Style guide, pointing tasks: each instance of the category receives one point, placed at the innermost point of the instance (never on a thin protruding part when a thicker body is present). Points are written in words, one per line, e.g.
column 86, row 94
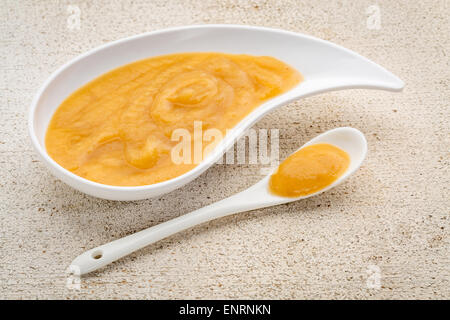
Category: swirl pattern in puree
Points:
column 117, row 129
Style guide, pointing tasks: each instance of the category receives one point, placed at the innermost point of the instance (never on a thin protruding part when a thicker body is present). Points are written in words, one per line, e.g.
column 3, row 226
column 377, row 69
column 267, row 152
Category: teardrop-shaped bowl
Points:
column 324, row 65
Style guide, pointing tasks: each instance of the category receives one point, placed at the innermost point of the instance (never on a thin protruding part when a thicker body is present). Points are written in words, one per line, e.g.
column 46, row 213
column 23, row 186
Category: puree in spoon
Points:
column 117, row 129
column 309, row 170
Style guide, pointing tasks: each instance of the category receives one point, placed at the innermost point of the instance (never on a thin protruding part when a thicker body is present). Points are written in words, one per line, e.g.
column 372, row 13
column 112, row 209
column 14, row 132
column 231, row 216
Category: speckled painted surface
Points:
column 393, row 214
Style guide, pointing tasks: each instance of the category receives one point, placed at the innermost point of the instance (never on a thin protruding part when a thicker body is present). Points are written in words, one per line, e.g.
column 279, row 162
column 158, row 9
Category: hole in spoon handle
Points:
column 97, row 254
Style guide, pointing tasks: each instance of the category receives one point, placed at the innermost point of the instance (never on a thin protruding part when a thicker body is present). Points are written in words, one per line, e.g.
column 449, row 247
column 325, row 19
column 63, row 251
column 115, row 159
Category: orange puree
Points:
column 309, row 170
column 117, row 129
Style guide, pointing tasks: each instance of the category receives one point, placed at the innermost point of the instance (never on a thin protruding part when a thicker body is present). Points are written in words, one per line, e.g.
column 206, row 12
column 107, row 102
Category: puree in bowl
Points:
column 117, row 129
column 309, row 170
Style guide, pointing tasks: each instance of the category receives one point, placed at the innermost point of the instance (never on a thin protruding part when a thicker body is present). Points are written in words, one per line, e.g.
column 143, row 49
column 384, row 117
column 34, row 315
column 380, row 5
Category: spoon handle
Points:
column 253, row 198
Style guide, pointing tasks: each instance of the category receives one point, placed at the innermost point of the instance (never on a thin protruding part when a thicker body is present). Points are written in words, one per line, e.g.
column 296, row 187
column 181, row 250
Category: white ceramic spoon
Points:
column 324, row 65
column 258, row 196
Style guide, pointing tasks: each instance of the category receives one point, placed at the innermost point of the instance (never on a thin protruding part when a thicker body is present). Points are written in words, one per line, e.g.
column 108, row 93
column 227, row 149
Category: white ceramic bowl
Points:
column 324, row 65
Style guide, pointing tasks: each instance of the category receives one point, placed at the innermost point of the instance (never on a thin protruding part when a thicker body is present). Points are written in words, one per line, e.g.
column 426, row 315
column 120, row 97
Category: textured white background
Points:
column 394, row 213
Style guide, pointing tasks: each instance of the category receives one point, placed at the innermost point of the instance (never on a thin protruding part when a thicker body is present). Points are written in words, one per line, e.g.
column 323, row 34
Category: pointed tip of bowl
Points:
column 396, row 84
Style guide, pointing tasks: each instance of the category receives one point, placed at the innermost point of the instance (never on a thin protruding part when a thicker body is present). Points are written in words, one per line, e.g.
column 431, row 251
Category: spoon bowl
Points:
column 348, row 139
column 258, row 196
column 324, row 65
